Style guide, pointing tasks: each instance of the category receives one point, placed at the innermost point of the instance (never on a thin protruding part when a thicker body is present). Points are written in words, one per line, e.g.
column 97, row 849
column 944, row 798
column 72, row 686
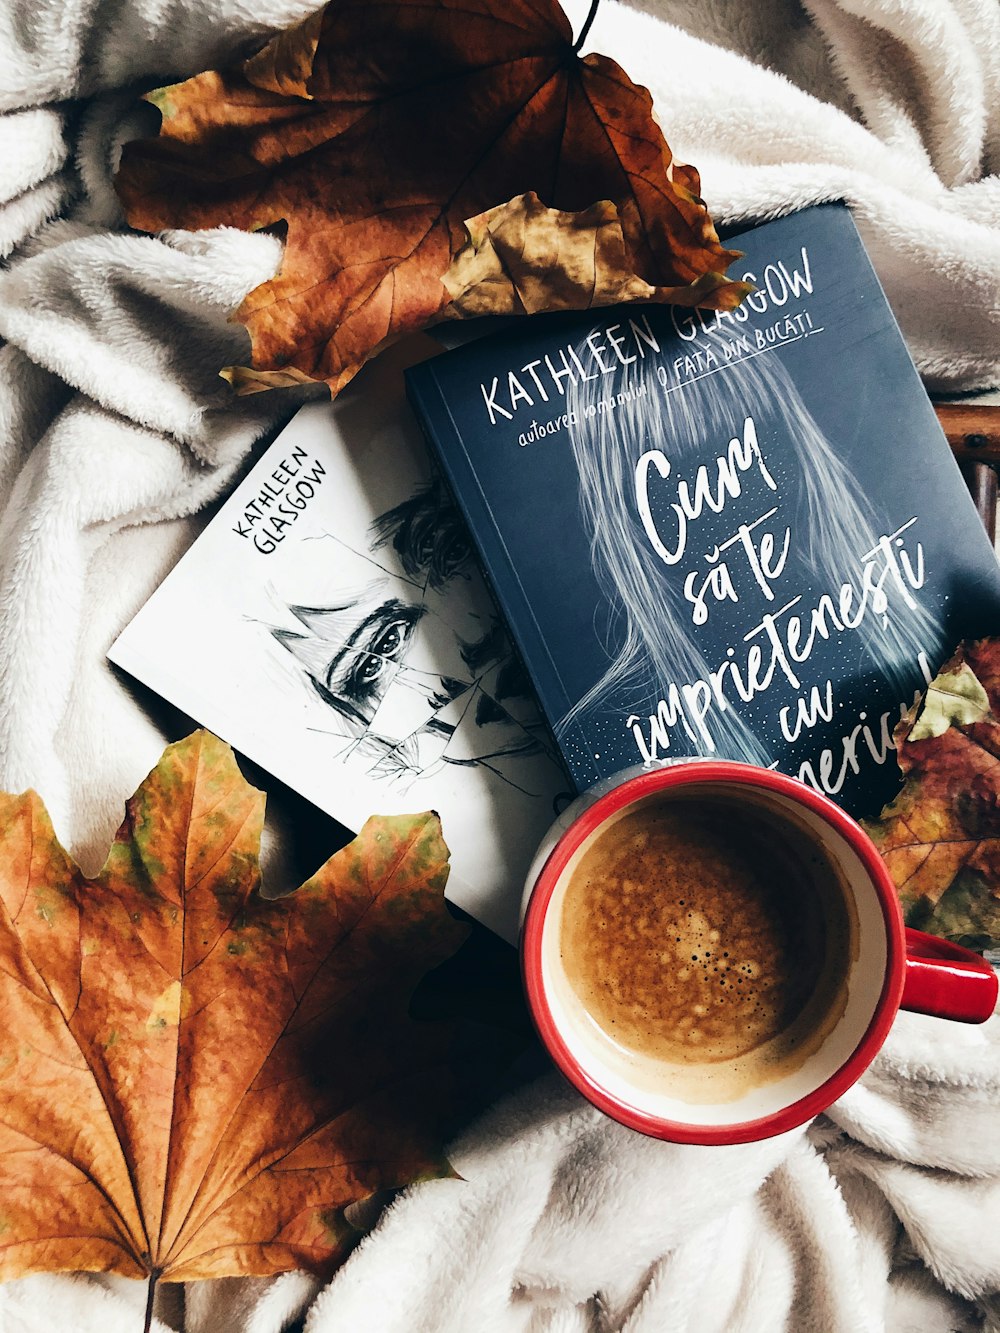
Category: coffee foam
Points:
column 681, row 967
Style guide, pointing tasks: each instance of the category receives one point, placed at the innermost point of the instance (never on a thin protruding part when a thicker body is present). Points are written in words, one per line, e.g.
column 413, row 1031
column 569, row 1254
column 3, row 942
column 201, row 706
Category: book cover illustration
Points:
column 737, row 535
column 331, row 623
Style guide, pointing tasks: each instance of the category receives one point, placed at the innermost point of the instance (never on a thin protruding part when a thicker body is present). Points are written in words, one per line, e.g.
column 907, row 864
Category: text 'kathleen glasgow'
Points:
column 280, row 501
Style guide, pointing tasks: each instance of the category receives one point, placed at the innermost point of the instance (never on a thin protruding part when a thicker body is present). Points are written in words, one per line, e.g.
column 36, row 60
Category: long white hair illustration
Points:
column 835, row 525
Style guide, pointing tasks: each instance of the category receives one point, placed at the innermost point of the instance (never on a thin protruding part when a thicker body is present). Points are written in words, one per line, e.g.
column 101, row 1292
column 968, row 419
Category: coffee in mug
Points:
column 713, row 953
column 707, row 943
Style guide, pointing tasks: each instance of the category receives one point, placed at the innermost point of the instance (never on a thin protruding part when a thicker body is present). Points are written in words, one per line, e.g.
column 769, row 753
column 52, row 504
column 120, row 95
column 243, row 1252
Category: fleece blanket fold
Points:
column 116, row 434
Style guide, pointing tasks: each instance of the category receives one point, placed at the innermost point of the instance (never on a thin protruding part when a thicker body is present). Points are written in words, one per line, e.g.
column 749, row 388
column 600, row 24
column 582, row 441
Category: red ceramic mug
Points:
column 893, row 967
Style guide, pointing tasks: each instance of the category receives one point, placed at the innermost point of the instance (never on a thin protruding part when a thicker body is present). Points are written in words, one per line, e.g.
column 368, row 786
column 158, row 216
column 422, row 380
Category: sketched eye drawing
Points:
column 415, row 675
column 360, row 670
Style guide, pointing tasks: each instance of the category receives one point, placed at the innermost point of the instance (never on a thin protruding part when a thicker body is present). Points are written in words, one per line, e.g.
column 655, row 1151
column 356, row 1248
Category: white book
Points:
column 331, row 623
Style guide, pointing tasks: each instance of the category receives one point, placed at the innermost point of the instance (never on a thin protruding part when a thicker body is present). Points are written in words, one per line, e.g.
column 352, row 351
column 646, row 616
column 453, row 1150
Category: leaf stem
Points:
column 150, row 1297
column 588, row 22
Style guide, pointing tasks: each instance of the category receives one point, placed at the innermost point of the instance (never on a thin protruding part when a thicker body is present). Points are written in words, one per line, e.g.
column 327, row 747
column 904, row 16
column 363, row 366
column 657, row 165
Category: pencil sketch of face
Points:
column 410, row 654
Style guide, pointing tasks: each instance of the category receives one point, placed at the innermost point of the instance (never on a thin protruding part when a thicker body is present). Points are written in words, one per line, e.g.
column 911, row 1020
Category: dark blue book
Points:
column 737, row 535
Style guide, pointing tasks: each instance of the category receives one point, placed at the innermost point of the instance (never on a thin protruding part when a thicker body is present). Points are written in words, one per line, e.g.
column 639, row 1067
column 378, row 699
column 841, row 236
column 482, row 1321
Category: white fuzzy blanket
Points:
column 115, row 433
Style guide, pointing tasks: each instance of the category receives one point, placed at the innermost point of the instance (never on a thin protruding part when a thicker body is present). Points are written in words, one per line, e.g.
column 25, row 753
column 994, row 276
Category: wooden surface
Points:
column 974, row 435
column 972, row 432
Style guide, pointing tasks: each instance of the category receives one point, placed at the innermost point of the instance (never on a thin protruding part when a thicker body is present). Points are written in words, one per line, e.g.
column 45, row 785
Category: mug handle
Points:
column 946, row 980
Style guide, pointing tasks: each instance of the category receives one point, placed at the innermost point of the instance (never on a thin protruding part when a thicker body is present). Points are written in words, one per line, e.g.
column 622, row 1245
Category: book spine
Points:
column 448, row 446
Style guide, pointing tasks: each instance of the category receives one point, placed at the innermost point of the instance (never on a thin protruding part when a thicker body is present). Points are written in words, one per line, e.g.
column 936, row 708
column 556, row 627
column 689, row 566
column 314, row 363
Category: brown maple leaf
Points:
column 940, row 837
column 196, row 1080
column 375, row 132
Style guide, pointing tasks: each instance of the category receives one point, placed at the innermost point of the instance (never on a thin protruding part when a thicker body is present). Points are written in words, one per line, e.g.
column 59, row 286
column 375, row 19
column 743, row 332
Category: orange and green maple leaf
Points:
column 940, row 837
column 196, row 1080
